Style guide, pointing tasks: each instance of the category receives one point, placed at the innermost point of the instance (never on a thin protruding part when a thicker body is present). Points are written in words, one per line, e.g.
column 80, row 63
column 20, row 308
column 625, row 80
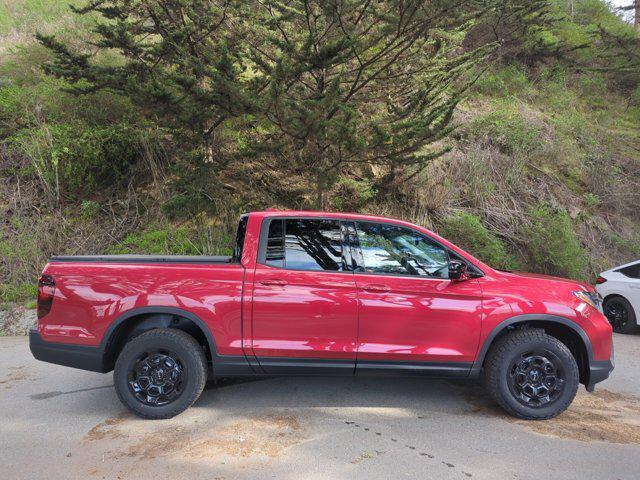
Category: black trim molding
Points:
column 223, row 365
column 413, row 369
column 142, row 259
column 477, row 365
column 69, row 355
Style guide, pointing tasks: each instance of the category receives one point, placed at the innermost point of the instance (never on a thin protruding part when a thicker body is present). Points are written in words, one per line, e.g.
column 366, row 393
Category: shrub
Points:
column 200, row 236
column 22, row 293
column 509, row 80
column 467, row 231
column 352, row 194
column 506, row 127
column 552, row 243
column 79, row 157
column 157, row 241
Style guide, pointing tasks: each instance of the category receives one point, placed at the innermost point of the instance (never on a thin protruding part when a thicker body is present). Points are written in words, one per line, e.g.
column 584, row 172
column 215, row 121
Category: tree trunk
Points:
column 571, row 9
column 637, row 15
column 320, row 190
column 207, row 146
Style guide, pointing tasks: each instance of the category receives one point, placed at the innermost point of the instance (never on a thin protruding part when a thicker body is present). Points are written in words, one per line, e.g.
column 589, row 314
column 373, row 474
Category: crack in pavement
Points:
column 46, row 395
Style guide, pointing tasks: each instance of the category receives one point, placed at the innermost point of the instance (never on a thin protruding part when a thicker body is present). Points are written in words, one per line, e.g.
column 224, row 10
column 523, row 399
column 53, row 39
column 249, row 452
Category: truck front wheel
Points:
column 160, row 373
column 531, row 375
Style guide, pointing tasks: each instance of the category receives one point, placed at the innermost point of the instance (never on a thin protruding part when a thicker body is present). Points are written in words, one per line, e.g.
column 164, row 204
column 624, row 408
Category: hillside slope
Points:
column 543, row 174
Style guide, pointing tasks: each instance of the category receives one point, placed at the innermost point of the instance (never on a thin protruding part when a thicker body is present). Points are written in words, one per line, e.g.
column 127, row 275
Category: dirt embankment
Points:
column 16, row 320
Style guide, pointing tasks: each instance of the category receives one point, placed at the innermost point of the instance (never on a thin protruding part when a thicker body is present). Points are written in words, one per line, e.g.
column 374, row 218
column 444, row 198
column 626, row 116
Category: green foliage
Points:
column 157, row 241
column 511, row 80
column 189, row 76
column 253, row 104
column 353, row 194
column 196, row 237
column 553, row 244
column 324, row 66
column 22, row 293
column 467, row 231
column 312, row 70
column 20, row 261
column 79, row 156
column 506, row 127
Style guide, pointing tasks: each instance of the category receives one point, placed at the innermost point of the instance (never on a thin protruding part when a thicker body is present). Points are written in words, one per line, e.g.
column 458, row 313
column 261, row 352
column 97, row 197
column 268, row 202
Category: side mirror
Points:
column 458, row 270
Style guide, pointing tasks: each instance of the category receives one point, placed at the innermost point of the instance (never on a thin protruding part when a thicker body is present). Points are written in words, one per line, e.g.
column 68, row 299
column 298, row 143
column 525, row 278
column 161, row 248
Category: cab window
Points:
column 305, row 244
column 390, row 249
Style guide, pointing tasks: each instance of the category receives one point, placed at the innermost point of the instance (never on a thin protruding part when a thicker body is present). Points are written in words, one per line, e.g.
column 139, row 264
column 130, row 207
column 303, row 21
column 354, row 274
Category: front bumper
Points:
column 76, row 356
column 600, row 370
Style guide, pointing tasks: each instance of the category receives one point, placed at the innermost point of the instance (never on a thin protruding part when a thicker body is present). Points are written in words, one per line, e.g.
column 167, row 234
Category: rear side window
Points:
column 632, row 271
column 389, row 249
column 240, row 236
column 275, row 244
column 300, row 244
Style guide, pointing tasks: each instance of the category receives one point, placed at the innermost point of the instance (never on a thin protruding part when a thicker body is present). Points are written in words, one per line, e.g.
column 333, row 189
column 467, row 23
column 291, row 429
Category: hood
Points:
column 549, row 278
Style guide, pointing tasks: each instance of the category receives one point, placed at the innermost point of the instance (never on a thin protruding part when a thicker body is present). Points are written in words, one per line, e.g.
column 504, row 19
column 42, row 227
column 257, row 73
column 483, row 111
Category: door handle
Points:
column 273, row 282
column 376, row 288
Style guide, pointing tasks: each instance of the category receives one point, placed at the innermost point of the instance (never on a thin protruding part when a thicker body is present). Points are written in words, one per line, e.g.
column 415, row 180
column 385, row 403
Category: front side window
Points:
column 400, row 251
column 300, row 244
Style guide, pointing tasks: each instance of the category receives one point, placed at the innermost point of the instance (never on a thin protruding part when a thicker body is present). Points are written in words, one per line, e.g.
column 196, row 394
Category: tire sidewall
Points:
column 184, row 353
column 569, row 368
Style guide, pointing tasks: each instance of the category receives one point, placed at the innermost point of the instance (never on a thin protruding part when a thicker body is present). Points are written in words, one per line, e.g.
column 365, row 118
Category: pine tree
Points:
column 177, row 61
column 359, row 81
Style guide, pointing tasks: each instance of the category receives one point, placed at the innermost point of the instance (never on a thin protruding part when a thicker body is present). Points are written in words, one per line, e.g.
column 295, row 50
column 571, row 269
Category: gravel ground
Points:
column 60, row 423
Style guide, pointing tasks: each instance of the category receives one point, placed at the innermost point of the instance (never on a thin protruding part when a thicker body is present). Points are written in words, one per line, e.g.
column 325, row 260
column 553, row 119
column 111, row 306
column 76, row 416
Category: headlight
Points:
column 592, row 299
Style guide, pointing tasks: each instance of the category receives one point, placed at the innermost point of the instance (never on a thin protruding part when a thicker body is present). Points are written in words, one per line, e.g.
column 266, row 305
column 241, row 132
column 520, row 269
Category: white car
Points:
column 620, row 290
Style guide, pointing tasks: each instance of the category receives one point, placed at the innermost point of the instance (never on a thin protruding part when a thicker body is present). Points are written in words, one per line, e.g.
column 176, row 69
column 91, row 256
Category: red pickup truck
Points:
column 316, row 293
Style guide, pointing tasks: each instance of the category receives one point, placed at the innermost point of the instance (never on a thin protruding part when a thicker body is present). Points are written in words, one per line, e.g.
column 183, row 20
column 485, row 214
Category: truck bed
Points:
column 143, row 258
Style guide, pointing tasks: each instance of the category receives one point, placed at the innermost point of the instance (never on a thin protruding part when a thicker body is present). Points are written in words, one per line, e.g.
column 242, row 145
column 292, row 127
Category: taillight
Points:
column 46, row 291
column 600, row 280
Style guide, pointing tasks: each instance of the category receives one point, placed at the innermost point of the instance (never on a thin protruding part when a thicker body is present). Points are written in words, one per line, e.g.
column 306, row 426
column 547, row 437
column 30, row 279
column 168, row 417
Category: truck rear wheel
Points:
column 531, row 375
column 160, row 373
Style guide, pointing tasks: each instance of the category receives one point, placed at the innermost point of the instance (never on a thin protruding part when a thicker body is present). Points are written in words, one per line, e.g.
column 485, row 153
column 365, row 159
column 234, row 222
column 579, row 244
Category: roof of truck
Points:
column 272, row 212
column 358, row 216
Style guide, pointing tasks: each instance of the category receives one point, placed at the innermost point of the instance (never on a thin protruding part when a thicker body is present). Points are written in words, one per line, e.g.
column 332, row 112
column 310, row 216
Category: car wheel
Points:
column 620, row 314
column 531, row 375
column 160, row 373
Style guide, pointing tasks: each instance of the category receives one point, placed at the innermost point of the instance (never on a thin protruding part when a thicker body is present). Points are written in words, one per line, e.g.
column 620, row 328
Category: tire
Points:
column 620, row 314
column 160, row 373
column 515, row 391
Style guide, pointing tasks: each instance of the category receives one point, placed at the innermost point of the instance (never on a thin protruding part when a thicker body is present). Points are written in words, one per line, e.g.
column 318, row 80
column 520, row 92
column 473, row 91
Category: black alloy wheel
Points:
column 536, row 378
column 157, row 378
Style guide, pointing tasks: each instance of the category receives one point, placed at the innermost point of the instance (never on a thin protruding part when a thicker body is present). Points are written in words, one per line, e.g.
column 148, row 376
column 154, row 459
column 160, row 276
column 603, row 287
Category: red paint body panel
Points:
column 422, row 320
column 320, row 315
column 311, row 314
column 509, row 294
column 90, row 296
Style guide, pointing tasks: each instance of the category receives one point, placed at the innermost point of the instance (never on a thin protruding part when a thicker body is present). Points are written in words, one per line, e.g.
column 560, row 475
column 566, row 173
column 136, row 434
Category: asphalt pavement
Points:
column 61, row 423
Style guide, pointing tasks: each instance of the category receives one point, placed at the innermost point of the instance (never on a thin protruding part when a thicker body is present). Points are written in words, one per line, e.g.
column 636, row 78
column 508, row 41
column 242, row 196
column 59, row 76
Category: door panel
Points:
column 418, row 319
column 304, row 314
column 634, row 296
column 305, row 309
column 409, row 310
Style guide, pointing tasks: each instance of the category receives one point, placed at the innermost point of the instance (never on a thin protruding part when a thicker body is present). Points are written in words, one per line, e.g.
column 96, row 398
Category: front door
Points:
column 412, row 318
column 305, row 309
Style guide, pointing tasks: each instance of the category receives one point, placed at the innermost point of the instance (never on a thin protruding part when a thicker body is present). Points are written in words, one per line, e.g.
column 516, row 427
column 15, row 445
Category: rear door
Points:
column 304, row 316
column 412, row 318
column 630, row 277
